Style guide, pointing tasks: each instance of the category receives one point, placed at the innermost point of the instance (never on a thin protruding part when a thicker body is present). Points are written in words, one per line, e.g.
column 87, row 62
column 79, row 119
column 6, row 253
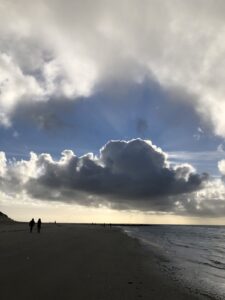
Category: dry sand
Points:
column 79, row 262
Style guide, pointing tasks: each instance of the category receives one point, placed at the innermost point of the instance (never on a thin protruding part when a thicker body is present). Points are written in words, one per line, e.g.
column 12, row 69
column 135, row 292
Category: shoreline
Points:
column 68, row 261
column 167, row 269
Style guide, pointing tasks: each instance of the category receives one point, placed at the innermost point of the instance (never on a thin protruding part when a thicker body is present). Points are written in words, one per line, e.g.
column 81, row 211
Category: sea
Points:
column 193, row 255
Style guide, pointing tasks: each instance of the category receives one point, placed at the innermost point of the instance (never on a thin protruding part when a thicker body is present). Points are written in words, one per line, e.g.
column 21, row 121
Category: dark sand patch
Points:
column 79, row 262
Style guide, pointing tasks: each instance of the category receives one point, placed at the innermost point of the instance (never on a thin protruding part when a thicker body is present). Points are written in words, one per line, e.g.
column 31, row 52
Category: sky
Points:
column 113, row 111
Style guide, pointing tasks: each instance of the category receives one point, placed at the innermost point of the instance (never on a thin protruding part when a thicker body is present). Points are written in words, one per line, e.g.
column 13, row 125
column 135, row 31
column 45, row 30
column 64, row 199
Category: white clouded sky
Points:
column 68, row 48
column 60, row 51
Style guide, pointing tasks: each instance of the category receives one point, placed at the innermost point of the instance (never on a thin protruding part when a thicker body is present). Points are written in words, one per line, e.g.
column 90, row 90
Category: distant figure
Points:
column 31, row 224
column 39, row 225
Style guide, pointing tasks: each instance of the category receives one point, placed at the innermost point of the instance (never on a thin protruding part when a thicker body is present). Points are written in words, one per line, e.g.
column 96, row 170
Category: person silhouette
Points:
column 31, row 224
column 39, row 225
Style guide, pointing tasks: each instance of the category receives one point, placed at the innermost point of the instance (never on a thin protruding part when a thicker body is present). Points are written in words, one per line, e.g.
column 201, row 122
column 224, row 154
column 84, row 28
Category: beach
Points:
column 68, row 261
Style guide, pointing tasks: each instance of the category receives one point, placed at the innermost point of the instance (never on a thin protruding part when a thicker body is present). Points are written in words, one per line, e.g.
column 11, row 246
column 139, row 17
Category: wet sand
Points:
column 80, row 262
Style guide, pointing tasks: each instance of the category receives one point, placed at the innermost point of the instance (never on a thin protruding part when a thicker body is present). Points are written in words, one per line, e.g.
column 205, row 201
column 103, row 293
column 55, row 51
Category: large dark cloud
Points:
column 131, row 175
column 124, row 169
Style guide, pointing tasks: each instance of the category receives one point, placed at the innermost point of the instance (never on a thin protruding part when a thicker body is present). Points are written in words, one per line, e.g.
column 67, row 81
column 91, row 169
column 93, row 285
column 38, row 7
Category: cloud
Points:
column 14, row 87
column 126, row 175
column 208, row 202
column 68, row 50
column 221, row 167
column 142, row 126
column 3, row 164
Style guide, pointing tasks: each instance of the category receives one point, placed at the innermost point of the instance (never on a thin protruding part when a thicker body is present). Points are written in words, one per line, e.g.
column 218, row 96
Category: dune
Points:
column 4, row 219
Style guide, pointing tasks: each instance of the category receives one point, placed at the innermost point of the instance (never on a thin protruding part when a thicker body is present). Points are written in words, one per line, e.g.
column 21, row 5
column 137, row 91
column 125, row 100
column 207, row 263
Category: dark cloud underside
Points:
column 133, row 174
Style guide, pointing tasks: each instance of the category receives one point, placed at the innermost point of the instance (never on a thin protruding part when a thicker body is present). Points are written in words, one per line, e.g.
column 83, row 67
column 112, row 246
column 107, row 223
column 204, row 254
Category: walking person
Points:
column 31, row 225
column 39, row 225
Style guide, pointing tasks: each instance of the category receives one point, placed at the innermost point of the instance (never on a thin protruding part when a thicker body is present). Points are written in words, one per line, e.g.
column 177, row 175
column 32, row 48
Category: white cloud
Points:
column 3, row 164
column 221, row 166
column 14, row 87
column 209, row 201
column 67, row 49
